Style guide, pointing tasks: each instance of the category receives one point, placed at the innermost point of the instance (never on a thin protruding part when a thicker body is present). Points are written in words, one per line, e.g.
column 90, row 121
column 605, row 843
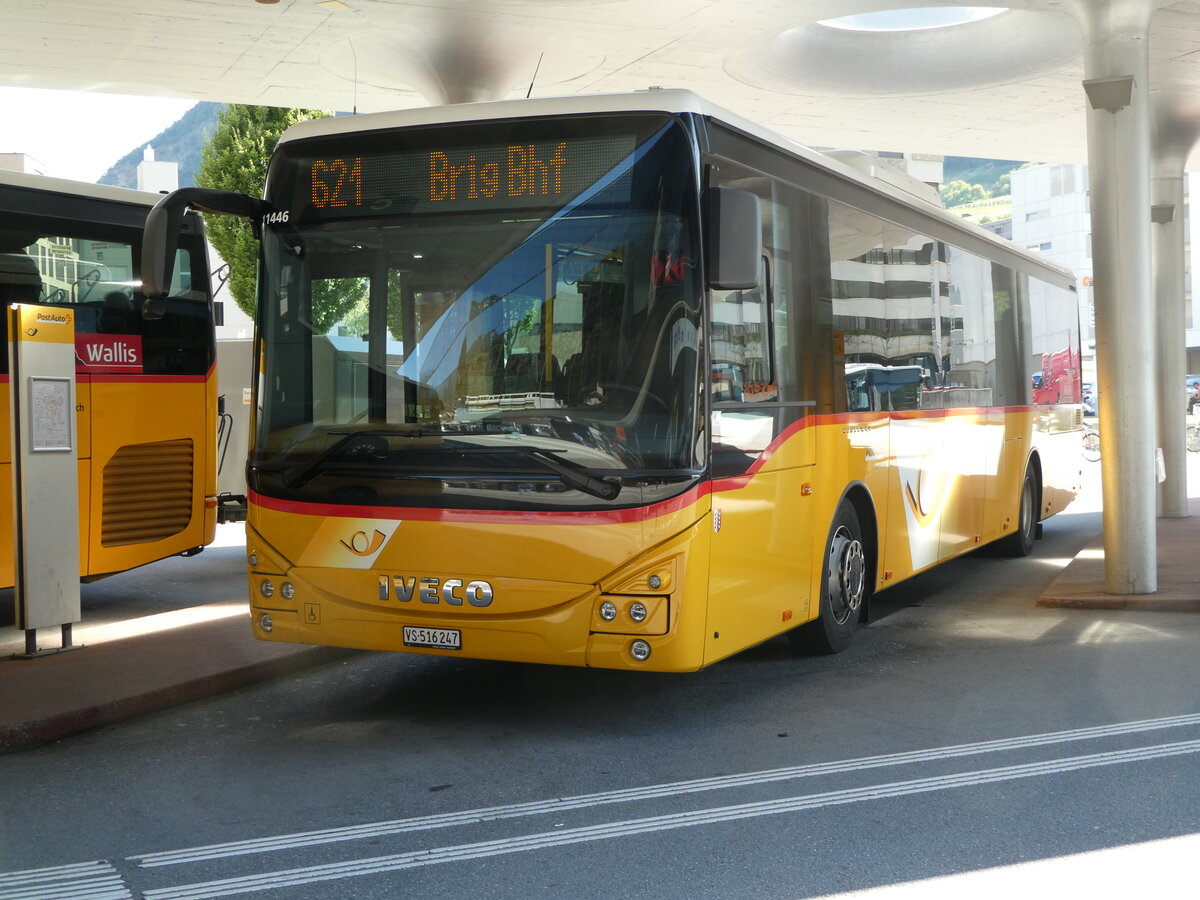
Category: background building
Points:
column 1050, row 215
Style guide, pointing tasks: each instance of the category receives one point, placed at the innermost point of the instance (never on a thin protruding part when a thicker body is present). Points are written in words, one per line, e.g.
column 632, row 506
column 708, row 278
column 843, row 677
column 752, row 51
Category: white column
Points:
column 1176, row 127
column 1167, row 240
column 1117, row 81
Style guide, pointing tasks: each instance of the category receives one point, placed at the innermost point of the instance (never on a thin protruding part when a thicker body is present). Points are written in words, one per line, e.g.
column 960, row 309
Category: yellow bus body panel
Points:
column 730, row 564
column 134, row 415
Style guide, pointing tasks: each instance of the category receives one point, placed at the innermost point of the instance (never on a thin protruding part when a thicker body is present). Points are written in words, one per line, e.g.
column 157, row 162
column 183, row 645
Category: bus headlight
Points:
column 266, row 589
column 637, row 612
column 639, row 650
column 287, row 590
column 608, row 610
column 265, row 623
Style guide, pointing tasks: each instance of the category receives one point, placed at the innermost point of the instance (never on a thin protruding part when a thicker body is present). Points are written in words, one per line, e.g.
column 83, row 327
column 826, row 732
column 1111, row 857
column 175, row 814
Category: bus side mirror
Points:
column 733, row 245
column 160, row 236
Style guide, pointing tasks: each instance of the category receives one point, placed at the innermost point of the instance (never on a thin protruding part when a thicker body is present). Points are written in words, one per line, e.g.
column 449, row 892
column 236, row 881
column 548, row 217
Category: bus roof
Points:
column 846, row 164
column 77, row 188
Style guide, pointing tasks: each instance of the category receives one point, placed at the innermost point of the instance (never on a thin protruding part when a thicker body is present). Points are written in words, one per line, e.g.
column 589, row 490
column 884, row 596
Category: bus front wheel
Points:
column 1020, row 542
column 845, row 588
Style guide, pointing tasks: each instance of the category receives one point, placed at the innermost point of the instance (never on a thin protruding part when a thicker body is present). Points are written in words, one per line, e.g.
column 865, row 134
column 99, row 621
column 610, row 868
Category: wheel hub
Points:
column 847, row 575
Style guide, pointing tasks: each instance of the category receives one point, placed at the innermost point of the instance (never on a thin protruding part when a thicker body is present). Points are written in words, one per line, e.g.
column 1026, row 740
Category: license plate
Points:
column 441, row 638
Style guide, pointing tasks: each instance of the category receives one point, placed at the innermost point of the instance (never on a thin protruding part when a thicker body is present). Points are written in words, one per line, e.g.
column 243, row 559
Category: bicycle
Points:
column 1091, row 443
column 1192, row 438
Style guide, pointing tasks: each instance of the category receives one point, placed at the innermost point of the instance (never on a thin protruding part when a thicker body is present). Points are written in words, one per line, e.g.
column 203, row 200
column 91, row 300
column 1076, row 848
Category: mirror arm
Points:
column 160, row 238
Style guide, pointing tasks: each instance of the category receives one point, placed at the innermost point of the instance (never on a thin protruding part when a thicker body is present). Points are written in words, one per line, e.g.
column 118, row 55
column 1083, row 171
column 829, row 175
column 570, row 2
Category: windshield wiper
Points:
column 369, row 449
column 573, row 474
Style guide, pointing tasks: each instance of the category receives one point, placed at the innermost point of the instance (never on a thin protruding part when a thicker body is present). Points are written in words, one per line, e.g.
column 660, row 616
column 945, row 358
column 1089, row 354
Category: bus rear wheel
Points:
column 845, row 588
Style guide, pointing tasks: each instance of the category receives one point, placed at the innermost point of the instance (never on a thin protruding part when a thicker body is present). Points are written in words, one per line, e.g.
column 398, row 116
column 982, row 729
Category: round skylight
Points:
column 915, row 19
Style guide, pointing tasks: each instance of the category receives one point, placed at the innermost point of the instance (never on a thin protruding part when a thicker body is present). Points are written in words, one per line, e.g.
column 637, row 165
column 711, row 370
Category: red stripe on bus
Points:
column 487, row 516
column 126, row 378
column 143, row 379
column 720, row 485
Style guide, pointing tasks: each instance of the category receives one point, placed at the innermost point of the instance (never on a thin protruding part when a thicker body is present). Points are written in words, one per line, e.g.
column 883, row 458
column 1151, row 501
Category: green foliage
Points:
column 970, row 180
column 977, row 170
column 342, row 302
column 959, row 193
column 234, row 158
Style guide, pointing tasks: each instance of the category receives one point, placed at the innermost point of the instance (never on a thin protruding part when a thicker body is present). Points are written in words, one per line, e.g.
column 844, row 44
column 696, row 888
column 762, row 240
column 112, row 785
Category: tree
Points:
column 958, row 193
column 234, row 158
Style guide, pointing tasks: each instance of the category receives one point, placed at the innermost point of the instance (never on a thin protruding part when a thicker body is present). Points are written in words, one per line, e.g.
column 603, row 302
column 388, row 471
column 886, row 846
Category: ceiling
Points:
column 1008, row 86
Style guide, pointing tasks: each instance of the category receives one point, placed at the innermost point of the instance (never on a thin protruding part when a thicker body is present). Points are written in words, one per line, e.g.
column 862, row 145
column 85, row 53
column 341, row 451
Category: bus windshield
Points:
column 489, row 315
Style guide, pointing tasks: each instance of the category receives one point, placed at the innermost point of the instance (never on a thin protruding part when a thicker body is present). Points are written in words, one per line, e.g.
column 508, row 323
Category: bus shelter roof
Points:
column 999, row 82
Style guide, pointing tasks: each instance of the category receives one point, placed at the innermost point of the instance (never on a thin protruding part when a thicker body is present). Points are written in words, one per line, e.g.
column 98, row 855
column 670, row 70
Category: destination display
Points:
column 463, row 178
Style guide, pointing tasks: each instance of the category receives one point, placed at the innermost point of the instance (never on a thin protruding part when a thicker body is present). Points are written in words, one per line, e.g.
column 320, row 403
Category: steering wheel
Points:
column 600, row 394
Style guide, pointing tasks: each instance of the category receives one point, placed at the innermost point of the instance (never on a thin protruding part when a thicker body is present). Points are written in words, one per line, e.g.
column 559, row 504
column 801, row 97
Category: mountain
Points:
column 179, row 143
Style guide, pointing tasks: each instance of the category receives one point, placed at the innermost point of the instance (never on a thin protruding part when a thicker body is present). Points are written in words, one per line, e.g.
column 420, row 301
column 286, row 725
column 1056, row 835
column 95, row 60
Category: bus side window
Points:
column 858, row 393
column 742, row 369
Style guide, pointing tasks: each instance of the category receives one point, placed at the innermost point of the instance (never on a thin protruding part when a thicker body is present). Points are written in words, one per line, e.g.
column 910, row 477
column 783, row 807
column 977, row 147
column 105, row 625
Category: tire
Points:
column 1091, row 446
column 1020, row 542
column 1192, row 440
column 845, row 588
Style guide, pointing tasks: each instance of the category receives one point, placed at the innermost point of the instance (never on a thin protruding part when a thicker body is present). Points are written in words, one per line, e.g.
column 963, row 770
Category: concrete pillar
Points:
column 1167, row 233
column 1176, row 128
column 1117, row 83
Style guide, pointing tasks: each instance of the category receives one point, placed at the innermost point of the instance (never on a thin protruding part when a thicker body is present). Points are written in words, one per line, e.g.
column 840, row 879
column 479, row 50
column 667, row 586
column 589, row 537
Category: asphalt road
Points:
column 966, row 732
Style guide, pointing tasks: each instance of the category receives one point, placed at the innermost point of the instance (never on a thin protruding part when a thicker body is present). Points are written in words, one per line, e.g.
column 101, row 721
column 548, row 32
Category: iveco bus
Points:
column 624, row 381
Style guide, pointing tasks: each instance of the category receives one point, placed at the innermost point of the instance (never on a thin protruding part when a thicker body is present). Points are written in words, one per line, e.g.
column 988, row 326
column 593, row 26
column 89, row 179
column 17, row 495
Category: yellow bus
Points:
column 626, row 381
column 146, row 385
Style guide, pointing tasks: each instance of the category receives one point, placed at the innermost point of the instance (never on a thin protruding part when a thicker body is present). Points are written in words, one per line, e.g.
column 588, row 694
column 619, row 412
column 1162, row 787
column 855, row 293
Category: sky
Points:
column 76, row 134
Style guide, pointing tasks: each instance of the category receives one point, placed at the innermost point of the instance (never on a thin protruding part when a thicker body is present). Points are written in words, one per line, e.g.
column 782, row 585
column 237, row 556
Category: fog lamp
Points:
column 639, row 650
column 265, row 623
column 608, row 610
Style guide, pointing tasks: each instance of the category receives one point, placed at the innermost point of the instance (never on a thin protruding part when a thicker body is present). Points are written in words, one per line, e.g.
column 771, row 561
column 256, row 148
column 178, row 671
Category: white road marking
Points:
column 462, row 852
column 627, row 795
column 96, row 880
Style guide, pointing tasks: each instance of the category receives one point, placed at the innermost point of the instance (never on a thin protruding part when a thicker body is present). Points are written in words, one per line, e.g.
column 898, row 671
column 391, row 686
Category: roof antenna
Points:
column 354, row 55
column 535, row 71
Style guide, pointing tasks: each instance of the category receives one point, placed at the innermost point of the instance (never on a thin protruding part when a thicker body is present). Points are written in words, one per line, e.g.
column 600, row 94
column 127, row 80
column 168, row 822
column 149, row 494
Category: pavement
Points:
column 1081, row 583
column 169, row 633
column 156, row 637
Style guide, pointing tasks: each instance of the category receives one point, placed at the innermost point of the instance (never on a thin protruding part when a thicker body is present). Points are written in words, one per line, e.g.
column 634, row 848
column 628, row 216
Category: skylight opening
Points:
column 923, row 18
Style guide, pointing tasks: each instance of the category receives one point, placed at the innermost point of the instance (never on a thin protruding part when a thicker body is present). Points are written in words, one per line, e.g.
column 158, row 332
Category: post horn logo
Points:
column 362, row 545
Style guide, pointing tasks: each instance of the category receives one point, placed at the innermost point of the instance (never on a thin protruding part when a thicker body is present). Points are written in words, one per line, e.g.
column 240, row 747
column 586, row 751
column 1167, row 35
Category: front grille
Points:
column 147, row 493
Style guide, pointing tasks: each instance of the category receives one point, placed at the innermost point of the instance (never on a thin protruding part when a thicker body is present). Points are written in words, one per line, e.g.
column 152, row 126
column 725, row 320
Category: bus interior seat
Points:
column 116, row 312
column 524, row 373
column 20, row 281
